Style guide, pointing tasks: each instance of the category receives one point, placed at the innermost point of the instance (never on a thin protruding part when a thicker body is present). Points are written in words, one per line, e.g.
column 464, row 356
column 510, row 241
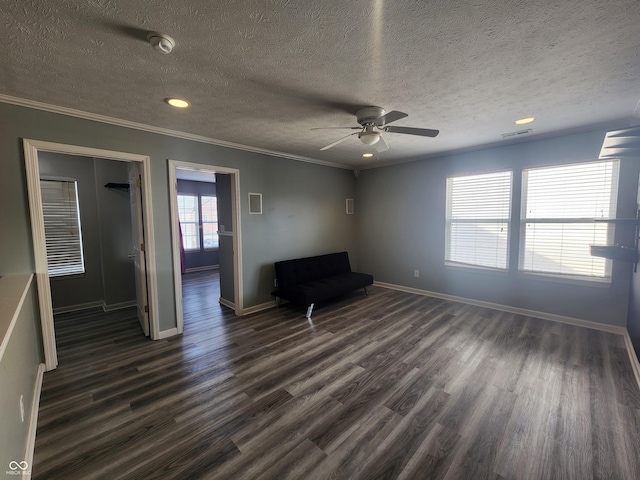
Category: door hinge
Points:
column 146, row 309
column 142, row 247
column 139, row 181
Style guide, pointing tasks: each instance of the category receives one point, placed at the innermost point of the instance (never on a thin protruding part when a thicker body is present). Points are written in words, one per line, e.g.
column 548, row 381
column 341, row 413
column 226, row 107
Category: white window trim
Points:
column 196, row 222
column 584, row 280
column 506, row 220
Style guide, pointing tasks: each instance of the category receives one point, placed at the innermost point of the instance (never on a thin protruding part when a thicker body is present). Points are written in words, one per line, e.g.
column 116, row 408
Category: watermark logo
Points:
column 18, row 468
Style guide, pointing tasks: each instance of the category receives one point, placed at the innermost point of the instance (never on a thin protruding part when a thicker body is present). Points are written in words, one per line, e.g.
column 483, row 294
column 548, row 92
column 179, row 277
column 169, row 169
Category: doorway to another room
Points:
column 100, row 284
column 205, row 237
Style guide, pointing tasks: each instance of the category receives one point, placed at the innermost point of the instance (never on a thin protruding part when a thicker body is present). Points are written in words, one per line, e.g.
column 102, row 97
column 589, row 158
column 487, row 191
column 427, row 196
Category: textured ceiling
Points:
column 264, row 73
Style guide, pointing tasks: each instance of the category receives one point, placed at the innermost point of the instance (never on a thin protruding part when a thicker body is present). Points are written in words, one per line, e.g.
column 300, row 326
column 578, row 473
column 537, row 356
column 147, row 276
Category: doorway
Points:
column 31, row 151
column 229, row 236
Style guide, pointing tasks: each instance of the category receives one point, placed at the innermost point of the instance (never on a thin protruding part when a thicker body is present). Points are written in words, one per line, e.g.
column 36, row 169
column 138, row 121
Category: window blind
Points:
column 63, row 235
column 478, row 217
column 559, row 206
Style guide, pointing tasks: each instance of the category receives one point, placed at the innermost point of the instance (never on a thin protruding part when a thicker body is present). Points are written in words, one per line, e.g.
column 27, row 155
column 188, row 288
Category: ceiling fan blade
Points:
column 338, row 141
column 336, row 128
column 423, row 132
column 382, row 145
column 390, row 117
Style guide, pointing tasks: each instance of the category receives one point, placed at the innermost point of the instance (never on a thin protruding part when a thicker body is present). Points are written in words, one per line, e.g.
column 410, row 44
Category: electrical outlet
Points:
column 22, row 408
column 416, row 273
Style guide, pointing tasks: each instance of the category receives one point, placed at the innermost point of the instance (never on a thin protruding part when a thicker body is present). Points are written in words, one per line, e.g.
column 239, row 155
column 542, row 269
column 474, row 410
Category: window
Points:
column 209, row 221
column 478, row 216
column 189, row 221
column 198, row 216
column 63, row 235
column 559, row 206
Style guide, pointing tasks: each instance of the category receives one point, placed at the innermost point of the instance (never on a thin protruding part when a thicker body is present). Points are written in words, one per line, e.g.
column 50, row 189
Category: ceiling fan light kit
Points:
column 373, row 121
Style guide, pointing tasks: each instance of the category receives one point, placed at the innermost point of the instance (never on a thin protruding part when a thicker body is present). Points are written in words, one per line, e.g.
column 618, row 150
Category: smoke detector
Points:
column 161, row 42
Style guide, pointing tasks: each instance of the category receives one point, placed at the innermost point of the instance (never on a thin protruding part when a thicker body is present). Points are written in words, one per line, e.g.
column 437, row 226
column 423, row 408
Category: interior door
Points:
column 137, row 249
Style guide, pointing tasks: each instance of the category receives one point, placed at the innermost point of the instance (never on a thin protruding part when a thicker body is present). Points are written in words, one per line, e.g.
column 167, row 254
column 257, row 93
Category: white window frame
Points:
column 600, row 232
column 215, row 224
column 465, row 210
column 62, row 226
column 195, row 222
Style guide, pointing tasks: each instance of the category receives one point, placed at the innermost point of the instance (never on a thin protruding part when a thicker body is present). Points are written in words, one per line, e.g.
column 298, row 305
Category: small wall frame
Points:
column 349, row 206
column 255, row 203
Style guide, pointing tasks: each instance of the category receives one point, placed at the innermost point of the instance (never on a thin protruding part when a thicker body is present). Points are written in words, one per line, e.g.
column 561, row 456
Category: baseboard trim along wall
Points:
column 76, row 308
column 635, row 365
column 33, row 420
column 259, row 308
column 118, row 306
column 167, row 333
column 201, row 269
column 227, row 303
column 89, row 305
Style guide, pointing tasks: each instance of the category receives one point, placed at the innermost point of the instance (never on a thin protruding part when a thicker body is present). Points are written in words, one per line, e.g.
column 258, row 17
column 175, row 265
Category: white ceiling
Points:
column 264, row 73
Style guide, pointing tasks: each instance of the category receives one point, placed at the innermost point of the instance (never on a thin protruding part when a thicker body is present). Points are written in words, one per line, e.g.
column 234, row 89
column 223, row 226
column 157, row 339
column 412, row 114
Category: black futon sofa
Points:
column 314, row 279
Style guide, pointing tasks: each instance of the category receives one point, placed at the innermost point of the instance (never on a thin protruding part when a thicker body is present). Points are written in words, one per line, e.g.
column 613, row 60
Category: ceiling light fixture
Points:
column 369, row 136
column 367, row 155
column 161, row 42
column 524, row 121
column 177, row 102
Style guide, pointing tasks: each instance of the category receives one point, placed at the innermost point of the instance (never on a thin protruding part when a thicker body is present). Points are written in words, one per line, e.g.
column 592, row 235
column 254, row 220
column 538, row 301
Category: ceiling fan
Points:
column 373, row 121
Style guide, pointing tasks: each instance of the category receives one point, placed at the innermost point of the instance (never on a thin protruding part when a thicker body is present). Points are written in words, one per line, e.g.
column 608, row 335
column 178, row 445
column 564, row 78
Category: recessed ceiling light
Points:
column 367, row 155
column 177, row 102
column 523, row 121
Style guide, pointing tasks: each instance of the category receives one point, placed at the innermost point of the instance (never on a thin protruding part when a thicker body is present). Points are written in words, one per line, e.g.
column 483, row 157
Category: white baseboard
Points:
column 635, row 364
column 33, row 420
column 227, row 303
column 76, row 308
column 201, row 269
column 172, row 332
column 506, row 308
column 259, row 308
column 118, row 306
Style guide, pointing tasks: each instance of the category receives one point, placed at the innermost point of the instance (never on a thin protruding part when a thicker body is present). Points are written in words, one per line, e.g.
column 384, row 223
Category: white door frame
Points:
column 175, row 235
column 31, row 150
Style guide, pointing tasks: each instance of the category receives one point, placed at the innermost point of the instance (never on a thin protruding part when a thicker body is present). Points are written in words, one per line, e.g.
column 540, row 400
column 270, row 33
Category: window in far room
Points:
column 478, row 219
column 209, row 221
column 189, row 216
column 560, row 206
column 198, row 216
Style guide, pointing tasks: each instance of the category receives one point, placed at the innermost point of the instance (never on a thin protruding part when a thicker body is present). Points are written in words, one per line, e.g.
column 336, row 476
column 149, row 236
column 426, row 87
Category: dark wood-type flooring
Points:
column 390, row 385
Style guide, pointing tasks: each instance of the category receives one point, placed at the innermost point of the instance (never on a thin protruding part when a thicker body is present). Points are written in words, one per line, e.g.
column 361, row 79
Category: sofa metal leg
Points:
column 278, row 302
column 309, row 310
column 365, row 291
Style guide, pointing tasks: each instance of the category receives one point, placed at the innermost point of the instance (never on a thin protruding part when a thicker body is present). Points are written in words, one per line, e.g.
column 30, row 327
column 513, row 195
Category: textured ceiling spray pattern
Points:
column 264, row 73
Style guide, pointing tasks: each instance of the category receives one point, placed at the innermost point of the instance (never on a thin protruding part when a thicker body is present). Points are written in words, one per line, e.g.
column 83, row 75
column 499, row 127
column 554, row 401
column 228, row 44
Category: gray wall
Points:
column 304, row 202
column 401, row 226
column 225, row 221
column 116, row 237
column 633, row 317
column 88, row 288
column 18, row 372
column 105, row 219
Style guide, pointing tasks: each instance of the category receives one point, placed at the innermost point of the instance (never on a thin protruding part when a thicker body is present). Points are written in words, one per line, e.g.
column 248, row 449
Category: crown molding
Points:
column 23, row 102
